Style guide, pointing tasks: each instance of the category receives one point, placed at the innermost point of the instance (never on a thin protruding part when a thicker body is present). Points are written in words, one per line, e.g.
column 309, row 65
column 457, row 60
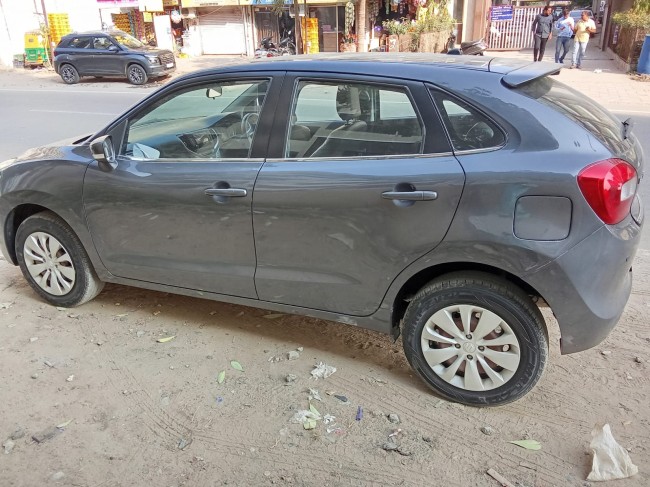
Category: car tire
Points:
column 136, row 74
column 459, row 364
column 54, row 262
column 69, row 74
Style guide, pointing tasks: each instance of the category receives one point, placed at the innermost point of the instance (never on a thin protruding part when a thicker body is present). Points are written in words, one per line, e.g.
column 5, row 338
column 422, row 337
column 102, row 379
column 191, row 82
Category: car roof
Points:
column 95, row 33
column 415, row 66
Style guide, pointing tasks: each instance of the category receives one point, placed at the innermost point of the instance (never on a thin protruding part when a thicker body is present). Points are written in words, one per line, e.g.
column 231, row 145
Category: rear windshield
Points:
column 579, row 108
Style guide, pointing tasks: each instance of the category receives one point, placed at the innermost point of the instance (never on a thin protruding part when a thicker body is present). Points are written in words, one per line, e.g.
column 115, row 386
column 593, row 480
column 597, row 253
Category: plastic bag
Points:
column 611, row 460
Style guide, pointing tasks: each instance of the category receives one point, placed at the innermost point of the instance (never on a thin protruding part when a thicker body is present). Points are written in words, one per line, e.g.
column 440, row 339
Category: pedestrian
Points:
column 542, row 32
column 583, row 29
column 564, row 28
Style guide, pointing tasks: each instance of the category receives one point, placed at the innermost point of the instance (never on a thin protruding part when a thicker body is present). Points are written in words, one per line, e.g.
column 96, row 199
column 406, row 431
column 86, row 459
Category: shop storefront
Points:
column 221, row 26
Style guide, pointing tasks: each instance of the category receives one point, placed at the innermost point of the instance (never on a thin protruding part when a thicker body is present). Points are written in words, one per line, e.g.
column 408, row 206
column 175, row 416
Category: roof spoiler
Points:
column 527, row 73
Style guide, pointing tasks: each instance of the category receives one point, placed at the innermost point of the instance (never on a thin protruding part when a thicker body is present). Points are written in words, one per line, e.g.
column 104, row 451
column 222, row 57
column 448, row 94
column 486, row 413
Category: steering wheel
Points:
column 477, row 133
column 249, row 124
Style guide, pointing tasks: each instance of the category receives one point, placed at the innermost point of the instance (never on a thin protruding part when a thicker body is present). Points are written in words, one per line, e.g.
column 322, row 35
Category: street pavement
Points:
column 599, row 78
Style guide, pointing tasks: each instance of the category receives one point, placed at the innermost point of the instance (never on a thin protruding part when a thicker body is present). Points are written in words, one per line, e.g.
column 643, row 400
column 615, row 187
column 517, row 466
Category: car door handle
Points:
column 230, row 192
column 410, row 195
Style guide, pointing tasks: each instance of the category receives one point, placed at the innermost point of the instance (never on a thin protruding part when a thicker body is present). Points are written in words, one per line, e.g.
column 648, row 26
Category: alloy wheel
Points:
column 136, row 76
column 68, row 74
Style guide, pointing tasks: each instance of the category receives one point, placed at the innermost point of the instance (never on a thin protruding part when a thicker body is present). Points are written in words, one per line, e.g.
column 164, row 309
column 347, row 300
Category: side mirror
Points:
column 213, row 93
column 103, row 150
column 113, row 48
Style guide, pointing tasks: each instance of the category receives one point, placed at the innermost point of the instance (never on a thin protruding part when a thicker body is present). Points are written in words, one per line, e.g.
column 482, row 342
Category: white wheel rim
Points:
column 470, row 347
column 49, row 263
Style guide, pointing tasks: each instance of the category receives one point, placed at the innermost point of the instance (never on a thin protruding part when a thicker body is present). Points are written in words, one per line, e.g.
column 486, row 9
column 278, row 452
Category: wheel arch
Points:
column 14, row 219
column 424, row 276
column 22, row 211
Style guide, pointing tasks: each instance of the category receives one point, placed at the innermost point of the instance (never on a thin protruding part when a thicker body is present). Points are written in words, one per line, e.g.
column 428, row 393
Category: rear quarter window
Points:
column 468, row 128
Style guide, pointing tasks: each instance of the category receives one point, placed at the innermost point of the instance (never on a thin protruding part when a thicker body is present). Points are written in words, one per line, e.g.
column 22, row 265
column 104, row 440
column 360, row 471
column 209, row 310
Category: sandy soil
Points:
column 142, row 412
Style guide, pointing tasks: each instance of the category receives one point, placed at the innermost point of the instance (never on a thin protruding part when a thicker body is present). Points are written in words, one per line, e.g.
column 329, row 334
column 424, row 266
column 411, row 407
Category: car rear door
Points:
column 80, row 53
column 175, row 208
column 360, row 183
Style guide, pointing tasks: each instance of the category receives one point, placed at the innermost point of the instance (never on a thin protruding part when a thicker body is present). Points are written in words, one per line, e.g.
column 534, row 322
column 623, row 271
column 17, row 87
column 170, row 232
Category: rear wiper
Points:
column 627, row 127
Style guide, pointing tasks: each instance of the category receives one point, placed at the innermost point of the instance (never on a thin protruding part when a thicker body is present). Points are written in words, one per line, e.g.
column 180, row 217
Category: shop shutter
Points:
column 222, row 31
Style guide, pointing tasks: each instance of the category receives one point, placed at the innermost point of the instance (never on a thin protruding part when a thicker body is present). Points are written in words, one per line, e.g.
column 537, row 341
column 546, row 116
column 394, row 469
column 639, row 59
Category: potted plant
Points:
column 349, row 43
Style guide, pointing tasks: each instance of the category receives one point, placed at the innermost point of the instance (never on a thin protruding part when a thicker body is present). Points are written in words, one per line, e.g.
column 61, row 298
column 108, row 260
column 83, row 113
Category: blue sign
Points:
column 501, row 12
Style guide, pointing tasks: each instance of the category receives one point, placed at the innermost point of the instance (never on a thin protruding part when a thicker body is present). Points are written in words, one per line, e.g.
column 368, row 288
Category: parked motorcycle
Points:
column 287, row 46
column 267, row 48
column 471, row 48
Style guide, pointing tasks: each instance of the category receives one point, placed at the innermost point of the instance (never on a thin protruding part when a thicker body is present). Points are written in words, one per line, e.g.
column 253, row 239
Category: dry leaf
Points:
column 221, row 377
column 528, row 444
column 236, row 365
column 63, row 425
column 166, row 339
column 274, row 316
column 313, row 409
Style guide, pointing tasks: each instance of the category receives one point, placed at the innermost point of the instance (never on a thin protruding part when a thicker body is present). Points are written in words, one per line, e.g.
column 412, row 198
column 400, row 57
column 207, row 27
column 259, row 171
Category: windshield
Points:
column 128, row 41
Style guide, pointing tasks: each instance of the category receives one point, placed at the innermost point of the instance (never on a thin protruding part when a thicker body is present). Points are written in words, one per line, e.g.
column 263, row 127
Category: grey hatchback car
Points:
column 443, row 198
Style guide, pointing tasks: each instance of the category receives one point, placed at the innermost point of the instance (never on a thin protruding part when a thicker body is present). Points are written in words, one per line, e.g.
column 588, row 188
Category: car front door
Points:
column 107, row 57
column 360, row 182
column 175, row 208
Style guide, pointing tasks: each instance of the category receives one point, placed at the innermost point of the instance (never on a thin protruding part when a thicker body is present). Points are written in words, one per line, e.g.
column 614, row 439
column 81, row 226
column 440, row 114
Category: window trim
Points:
column 188, row 87
column 432, row 89
column 336, row 81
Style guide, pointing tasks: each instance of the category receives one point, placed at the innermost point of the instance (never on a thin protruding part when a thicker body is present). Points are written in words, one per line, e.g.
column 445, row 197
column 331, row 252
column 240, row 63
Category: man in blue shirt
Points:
column 564, row 28
column 542, row 32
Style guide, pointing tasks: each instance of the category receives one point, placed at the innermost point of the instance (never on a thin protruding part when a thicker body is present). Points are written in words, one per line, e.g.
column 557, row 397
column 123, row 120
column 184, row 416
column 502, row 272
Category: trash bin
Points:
column 644, row 59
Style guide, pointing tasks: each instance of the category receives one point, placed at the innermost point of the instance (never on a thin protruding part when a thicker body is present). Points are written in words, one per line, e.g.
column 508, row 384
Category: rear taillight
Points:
column 609, row 187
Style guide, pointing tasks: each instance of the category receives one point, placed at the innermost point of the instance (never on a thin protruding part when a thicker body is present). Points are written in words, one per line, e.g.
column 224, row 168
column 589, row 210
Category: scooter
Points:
column 267, row 49
column 471, row 48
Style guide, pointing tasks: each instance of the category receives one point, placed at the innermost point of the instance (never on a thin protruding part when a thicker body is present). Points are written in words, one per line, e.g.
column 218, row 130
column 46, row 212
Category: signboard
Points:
column 209, row 3
column 151, row 6
column 501, row 12
column 118, row 3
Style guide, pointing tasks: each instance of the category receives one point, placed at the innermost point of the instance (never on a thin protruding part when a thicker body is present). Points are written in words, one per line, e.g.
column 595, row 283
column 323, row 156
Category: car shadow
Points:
column 373, row 349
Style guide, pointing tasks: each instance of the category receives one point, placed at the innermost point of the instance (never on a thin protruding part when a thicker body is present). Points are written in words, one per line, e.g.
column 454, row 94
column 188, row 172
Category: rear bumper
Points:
column 588, row 287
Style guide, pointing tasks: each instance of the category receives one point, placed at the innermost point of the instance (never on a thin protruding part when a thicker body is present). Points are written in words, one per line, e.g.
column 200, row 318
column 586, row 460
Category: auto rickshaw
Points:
column 35, row 50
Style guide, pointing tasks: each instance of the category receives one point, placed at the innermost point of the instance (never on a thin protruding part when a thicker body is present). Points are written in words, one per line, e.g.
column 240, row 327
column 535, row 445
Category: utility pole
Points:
column 2, row 10
column 47, row 24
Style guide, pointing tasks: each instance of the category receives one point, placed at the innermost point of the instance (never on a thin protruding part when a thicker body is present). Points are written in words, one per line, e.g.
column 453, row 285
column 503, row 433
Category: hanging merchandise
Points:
column 374, row 10
column 349, row 17
column 387, row 7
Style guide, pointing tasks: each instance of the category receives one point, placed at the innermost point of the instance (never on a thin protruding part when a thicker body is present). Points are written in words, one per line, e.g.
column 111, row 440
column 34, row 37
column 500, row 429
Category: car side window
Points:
column 207, row 121
column 80, row 43
column 102, row 43
column 343, row 119
column 468, row 128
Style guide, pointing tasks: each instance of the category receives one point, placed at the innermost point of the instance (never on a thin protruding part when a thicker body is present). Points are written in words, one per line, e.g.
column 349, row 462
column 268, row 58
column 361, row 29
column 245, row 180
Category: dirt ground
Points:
column 132, row 411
